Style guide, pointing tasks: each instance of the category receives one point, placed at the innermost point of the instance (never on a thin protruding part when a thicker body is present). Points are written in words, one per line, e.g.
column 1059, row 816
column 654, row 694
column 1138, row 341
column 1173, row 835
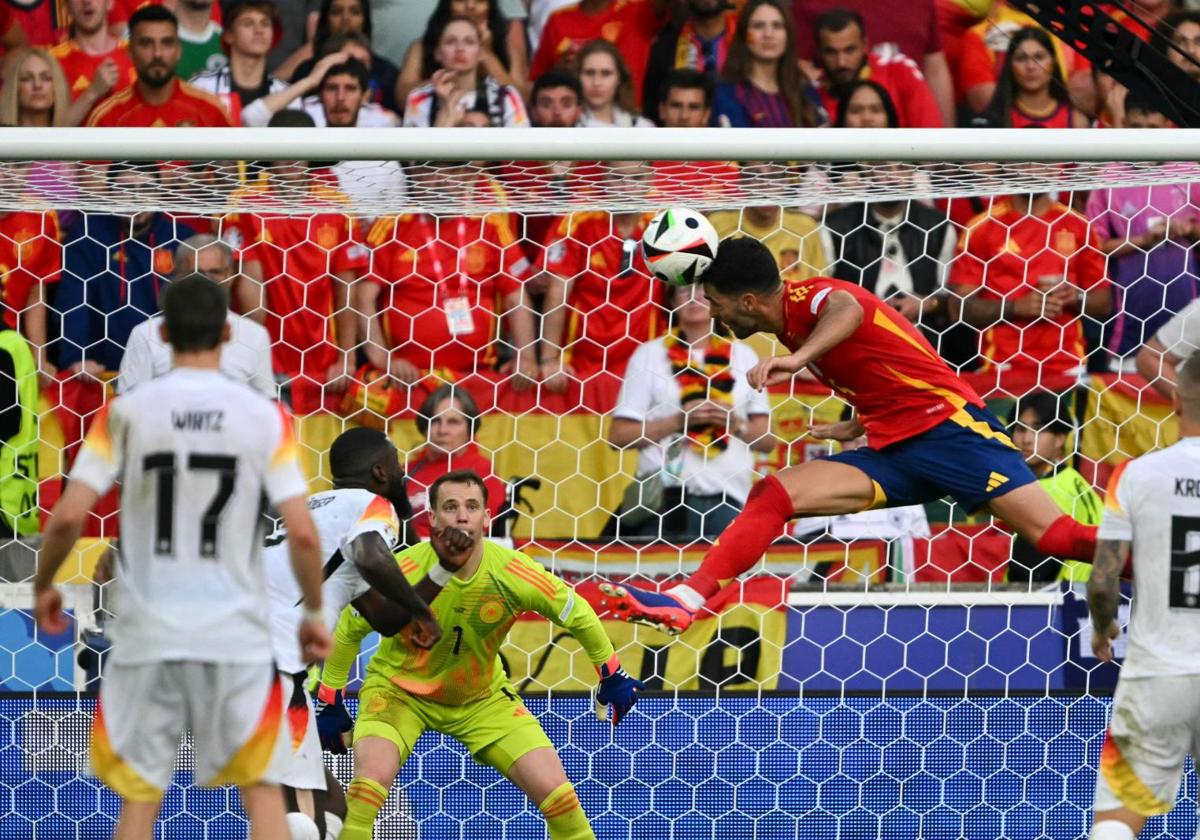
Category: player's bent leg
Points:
column 376, row 763
column 814, row 488
column 137, row 820
column 1036, row 517
column 264, row 808
column 540, row 774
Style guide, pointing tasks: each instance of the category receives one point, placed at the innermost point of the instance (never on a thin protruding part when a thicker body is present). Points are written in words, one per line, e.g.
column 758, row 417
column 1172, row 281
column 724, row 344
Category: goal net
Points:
column 481, row 296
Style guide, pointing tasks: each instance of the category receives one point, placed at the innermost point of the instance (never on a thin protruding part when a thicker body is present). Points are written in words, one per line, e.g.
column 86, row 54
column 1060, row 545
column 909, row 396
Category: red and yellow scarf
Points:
column 711, row 380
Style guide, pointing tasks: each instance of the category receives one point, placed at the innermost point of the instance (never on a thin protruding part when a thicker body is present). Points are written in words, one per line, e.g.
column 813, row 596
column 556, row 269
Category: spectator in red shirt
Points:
column 1030, row 91
column 630, row 24
column 158, row 98
column 698, row 41
column 94, row 62
column 1025, row 272
column 687, row 99
column 31, row 258
column 844, row 57
column 909, row 28
column 439, row 286
column 449, row 419
column 764, row 86
column 602, row 301
column 298, row 276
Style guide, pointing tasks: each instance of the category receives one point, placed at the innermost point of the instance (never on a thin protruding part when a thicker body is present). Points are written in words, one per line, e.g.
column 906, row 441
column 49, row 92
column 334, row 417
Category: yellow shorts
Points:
column 497, row 729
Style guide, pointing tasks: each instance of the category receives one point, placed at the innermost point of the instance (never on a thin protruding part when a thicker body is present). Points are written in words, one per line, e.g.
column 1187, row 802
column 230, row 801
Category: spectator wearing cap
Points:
column 699, row 39
column 1149, row 234
column 338, row 17
column 243, row 83
column 1041, row 428
column 200, row 36
column 158, row 97
column 461, row 84
column 94, row 62
column 449, row 420
column 844, row 56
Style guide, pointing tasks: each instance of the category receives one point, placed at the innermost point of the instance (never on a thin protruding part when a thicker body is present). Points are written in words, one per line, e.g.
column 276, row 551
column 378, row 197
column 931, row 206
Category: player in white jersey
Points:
column 195, row 453
column 1153, row 508
column 359, row 529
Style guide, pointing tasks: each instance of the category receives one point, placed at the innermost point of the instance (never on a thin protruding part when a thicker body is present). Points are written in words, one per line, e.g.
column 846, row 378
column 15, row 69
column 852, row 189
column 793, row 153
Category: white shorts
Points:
column 235, row 713
column 305, row 767
column 1155, row 724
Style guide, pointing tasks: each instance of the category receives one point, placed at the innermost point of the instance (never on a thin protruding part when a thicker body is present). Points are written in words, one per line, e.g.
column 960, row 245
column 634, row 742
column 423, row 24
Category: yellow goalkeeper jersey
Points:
column 475, row 615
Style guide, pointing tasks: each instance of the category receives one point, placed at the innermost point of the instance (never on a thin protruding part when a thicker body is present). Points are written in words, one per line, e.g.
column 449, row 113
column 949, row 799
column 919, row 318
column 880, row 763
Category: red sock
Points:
column 1069, row 539
column 744, row 542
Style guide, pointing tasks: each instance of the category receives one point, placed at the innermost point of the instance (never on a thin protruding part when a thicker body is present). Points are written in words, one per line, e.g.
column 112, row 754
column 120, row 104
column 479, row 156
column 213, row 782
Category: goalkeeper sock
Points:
column 1069, row 539
column 564, row 815
column 744, row 542
column 364, row 798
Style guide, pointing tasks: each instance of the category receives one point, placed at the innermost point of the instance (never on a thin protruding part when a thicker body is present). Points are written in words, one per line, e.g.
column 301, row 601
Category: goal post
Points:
column 900, row 674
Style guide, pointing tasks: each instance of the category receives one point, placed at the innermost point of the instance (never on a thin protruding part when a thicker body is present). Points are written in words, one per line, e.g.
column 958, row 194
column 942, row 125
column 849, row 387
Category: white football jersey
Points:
column 341, row 516
column 196, row 453
column 1154, row 503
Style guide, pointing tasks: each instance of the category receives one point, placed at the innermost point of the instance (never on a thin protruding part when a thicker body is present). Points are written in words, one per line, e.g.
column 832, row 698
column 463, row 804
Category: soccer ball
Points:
column 679, row 244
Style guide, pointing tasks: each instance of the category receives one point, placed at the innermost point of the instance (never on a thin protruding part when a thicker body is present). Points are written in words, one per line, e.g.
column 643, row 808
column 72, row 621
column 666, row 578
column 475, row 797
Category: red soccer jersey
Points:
column 444, row 282
column 186, row 107
column 886, row 369
column 30, row 256
column 300, row 257
column 900, row 76
column 80, row 67
column 1010, row 254
column 676, row 180
column 433, row 465
column 122, row 10
column 44, row 21
column 615, row 303
column 630, row 24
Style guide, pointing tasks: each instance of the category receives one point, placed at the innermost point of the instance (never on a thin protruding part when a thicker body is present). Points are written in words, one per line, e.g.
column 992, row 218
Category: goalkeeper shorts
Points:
column 497, row 730
column 967, row 456
column 1155, row 724
column 236, row 713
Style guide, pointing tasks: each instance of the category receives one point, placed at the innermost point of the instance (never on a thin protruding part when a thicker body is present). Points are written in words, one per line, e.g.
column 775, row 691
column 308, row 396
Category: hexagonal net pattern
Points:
column 906, row 671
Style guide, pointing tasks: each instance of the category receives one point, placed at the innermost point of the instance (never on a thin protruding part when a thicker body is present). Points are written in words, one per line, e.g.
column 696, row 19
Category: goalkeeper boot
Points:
column 642, row 606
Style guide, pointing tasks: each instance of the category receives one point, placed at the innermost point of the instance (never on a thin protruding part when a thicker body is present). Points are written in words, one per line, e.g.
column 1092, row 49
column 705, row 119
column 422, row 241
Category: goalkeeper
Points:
column 458, row 687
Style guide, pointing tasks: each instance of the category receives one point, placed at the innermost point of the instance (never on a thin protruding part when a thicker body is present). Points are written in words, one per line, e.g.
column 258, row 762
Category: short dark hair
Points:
column 687, row 79
column 556, row 79
column 836, row 20
column 466, row 406
column 1140, row 104
column 1051, row 410
column 742, row 264
column 291, row 118
column 152, row 13
column 356, row 451
column 349, row 67
column 457, row 477
column 1174, row 20
column 194, row 310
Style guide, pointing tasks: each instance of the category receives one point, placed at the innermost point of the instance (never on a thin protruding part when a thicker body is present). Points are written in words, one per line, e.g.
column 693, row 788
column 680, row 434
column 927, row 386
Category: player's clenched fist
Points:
column 453, row 546
column 315, row 641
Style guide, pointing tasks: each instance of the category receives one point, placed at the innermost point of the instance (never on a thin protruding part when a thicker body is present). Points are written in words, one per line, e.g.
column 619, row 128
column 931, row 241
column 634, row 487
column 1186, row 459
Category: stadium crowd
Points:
column 369, row 317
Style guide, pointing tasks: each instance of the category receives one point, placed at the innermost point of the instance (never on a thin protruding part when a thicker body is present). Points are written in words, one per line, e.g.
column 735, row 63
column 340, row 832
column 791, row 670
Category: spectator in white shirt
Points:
column 246, row 357
column 687, row 408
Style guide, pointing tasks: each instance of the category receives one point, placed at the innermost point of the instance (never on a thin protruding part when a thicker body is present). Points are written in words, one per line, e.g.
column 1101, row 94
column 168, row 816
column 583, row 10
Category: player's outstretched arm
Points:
column 304, row 550
column 62, row 531
column 378, row 567
column 840, row 316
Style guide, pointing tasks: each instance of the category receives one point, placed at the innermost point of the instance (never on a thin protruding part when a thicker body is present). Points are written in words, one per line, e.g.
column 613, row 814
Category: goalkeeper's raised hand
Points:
column 617, row 689
column 333, row 719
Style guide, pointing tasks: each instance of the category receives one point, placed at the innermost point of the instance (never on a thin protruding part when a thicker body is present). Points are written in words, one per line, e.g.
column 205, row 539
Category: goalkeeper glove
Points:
column 333, row 719
column 617, row 689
